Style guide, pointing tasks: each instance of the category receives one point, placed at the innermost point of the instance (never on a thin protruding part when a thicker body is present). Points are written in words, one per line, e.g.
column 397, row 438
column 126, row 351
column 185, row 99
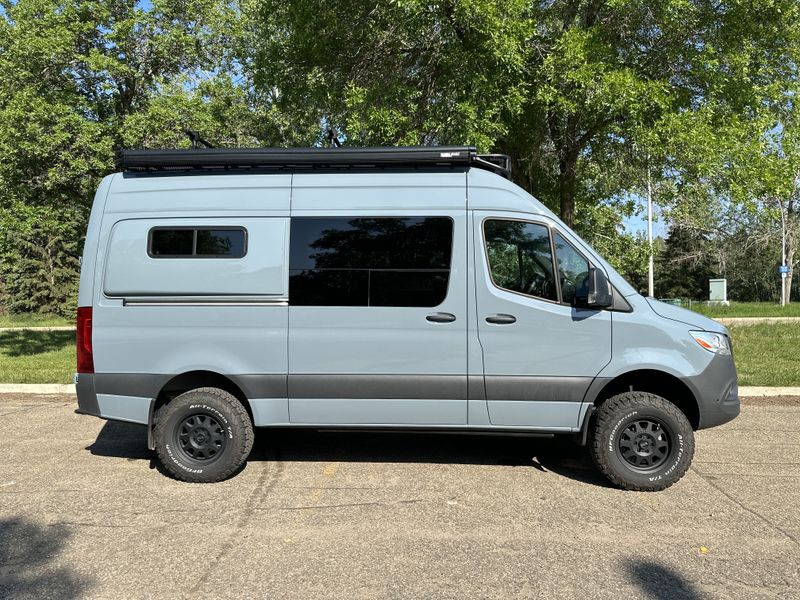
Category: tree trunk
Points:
column 792, row 238
column 566, row 187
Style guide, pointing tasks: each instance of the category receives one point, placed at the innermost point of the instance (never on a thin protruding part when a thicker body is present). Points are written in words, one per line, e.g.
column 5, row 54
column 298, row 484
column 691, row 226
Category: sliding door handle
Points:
column 501, row 319
column 441, row 318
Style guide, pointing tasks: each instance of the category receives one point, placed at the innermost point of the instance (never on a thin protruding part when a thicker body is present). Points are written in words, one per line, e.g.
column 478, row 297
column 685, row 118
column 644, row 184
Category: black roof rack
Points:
column 237, row 159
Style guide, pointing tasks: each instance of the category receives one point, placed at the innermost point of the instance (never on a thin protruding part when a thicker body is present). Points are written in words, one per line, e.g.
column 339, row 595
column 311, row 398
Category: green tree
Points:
column 567, row 87
column 685, row 265
column 585, row 95
column 80, row 78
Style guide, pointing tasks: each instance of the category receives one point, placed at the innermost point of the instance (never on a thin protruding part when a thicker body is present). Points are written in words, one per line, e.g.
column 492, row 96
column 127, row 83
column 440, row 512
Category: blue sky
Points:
column 638, row 223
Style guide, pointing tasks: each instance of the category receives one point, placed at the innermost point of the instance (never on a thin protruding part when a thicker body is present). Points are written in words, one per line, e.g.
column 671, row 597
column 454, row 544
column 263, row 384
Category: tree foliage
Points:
column 80, row 78
column 588, row 97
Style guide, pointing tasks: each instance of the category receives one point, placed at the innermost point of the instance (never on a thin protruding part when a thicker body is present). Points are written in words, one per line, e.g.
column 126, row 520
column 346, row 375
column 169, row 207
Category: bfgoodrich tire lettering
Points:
column 642, row 442
column 203, row 435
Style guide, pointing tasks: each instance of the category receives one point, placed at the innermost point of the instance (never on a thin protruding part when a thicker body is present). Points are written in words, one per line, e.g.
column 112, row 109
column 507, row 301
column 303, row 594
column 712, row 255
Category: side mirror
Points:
column 597, row 291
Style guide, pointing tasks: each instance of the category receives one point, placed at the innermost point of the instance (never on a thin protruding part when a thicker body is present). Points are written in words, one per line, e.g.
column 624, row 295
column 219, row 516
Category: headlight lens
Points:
column 713, row 342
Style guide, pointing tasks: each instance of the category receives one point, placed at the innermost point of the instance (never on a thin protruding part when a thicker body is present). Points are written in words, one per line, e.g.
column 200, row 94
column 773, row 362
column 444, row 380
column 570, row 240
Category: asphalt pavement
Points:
column 85, row 512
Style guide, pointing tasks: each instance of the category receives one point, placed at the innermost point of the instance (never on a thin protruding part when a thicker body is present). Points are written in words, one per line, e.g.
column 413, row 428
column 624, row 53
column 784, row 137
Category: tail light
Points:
column 83, row 340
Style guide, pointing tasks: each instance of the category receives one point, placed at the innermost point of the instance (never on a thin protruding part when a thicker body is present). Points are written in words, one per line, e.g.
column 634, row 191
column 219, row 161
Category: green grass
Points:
column 747, row 309
column 766, row 354
column 37, row 356
column 34, row 320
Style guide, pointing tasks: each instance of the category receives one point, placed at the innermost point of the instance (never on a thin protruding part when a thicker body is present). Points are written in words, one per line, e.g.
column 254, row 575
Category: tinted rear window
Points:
column 370, row 261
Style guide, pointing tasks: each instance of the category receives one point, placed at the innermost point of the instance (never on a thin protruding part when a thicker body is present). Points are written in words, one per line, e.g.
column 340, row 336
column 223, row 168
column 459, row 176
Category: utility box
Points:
column 718, row 291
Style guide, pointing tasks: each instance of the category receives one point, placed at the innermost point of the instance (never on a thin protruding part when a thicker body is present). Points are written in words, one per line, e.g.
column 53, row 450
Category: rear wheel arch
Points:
column 192, row 380
column 656, row 382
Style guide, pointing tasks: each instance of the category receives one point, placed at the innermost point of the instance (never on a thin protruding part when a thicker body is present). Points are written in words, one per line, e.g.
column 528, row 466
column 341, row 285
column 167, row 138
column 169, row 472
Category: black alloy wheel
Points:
column 200, row 437
column 644, row 444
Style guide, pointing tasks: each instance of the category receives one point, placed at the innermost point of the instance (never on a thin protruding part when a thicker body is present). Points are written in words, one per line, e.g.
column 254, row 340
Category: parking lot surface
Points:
column 84, row 512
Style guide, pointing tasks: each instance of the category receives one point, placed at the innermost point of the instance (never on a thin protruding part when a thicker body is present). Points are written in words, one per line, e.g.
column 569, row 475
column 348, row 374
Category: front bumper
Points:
column 717, row 392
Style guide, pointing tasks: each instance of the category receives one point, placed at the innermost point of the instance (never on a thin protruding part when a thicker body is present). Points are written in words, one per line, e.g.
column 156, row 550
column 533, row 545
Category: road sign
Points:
column 783, row 269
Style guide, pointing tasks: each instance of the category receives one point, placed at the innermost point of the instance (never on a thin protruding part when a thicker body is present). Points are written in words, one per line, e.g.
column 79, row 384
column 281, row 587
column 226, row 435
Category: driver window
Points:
column 520, row 259
column 573, row 271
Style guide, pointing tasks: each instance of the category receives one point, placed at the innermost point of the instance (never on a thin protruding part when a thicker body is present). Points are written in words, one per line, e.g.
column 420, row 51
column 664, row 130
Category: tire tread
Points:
column 605, row 417
column 162, row 417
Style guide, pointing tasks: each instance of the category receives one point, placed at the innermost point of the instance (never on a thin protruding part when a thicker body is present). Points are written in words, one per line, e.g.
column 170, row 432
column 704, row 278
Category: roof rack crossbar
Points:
column 176, row 161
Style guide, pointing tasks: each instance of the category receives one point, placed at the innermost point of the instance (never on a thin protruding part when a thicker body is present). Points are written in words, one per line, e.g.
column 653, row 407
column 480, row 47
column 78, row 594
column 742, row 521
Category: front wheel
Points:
column 642, row 442
column 203, row 436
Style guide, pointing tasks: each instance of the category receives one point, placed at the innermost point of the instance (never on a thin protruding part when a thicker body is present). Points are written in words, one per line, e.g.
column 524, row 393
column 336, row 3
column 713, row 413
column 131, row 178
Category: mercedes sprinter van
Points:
column 223, row 290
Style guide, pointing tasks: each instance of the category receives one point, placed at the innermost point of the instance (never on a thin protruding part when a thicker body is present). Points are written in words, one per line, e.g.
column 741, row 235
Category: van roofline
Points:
column 211, row 160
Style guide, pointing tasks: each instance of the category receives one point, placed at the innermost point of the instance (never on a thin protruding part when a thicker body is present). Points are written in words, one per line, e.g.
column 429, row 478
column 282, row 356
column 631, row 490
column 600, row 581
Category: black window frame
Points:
column 195, row 229
column 551, row 231
column 448, row 271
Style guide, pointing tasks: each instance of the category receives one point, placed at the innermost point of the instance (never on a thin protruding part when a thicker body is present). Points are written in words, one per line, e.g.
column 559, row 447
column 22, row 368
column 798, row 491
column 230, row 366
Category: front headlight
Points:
column 713, row 342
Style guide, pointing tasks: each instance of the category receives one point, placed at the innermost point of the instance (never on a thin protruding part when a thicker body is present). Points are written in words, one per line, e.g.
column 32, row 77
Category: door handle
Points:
column 501, row 319
column 441, row 318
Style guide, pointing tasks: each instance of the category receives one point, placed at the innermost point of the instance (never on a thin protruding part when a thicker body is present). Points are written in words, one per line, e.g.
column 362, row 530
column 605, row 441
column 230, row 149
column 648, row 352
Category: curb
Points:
column 34, row 328
column 37, row 388
column 69, row 388
column 756, row 320
column 763, row 391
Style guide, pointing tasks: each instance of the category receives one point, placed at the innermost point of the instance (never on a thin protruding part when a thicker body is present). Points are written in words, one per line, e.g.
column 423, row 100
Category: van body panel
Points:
column 645, row 340
column 414, row 369
column 550, row 354
column 229, row 340
column 683, row 315
column 156, row 318
column 377, row 411
column 260, row 272
column 269, row 411
column 396, row 193
column 198, row 194
column 552, row 416
column 131, row 409
column 234, row 328
column 90, row 246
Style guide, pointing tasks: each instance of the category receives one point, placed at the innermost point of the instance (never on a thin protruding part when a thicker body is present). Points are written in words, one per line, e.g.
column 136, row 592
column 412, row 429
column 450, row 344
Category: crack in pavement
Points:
column 28, row 407
column 262, row 487
column 88, row 524
column 346, row 505
column 710, row 482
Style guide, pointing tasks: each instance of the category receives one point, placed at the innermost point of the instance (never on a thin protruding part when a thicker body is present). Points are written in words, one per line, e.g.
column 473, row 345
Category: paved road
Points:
column 84, row 512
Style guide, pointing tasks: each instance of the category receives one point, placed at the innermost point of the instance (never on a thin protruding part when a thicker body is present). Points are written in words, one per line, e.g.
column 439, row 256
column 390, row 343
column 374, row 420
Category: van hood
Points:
column 683, row 315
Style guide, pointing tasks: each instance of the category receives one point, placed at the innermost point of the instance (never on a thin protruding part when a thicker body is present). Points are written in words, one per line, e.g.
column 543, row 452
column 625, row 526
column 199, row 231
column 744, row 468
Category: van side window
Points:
column 197, row 242
column 369, row 261
column 520, row 259
column 573, row 271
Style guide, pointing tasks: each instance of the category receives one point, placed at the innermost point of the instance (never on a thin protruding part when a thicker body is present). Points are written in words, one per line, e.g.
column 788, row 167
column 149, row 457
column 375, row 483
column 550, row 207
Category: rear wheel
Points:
column 642, row 442
column 203, row 435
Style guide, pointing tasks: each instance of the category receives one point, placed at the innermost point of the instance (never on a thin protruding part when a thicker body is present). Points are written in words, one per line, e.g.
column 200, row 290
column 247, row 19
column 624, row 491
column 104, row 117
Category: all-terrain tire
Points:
column 203, row 435
column 641, row 441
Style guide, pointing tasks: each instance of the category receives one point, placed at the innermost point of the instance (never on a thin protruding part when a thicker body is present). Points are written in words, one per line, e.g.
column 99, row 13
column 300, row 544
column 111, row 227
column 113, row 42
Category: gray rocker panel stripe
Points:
column 412, row 387
column 148, row 385
column 356, row 387
column 537, row 388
